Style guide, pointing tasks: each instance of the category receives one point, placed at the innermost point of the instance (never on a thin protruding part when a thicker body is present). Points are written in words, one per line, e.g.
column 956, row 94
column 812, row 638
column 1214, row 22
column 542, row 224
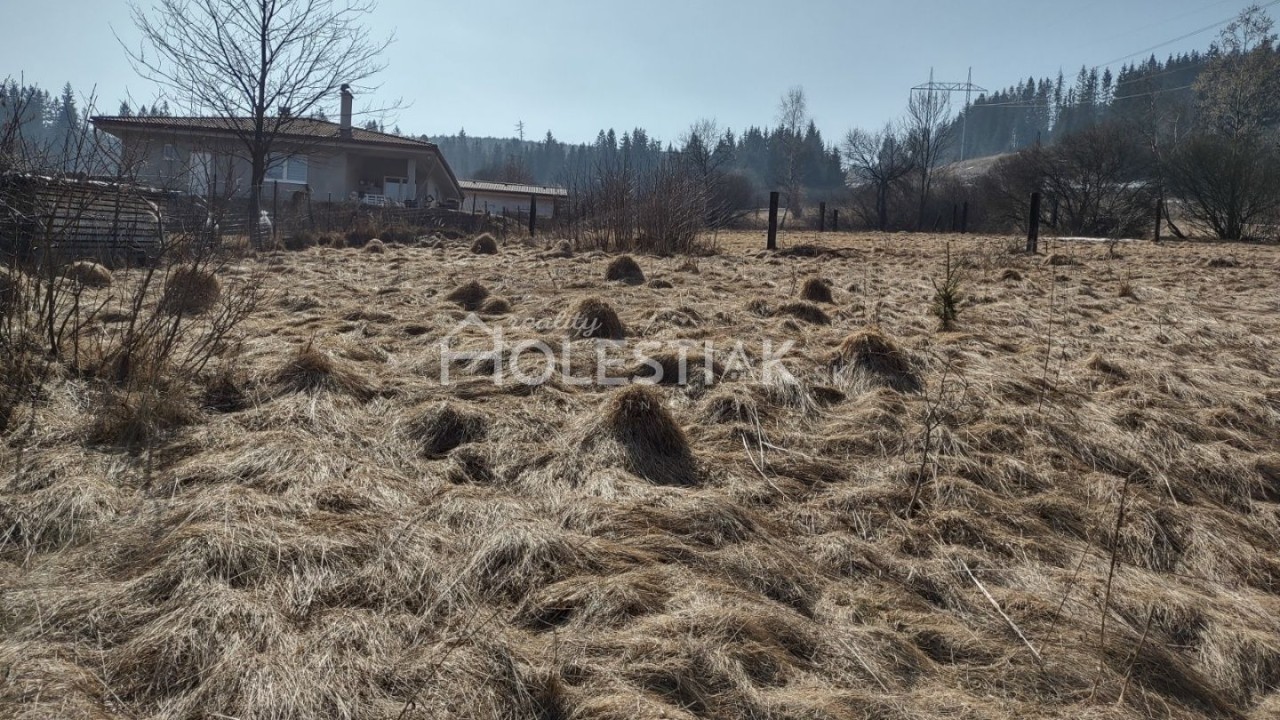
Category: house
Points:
column 497, row 198
column 204, row 156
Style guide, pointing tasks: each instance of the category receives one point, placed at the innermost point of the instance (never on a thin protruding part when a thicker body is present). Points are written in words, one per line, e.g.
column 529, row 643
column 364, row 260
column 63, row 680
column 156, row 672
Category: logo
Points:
column 474, row 347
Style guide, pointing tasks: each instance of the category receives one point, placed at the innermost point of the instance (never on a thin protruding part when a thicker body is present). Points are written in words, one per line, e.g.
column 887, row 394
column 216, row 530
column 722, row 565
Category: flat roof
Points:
column 512, row 188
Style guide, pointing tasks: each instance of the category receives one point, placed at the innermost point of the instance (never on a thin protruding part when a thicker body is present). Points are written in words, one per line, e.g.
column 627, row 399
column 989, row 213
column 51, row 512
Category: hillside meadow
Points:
column 1065, row 504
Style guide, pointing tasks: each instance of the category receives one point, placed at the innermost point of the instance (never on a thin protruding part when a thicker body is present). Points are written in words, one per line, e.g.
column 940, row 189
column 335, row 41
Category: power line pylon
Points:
column 967, row 87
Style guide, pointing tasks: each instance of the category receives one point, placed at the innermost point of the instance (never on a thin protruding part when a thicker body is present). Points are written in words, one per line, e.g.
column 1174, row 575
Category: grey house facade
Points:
column 204, row 156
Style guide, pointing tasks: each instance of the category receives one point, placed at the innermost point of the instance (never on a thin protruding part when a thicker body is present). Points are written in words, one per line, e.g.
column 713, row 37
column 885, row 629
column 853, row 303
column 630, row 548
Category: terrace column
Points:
column 413, row 177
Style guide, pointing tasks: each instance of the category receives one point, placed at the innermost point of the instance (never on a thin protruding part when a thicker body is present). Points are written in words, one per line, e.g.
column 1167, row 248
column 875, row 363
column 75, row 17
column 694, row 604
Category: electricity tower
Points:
column 967, row 87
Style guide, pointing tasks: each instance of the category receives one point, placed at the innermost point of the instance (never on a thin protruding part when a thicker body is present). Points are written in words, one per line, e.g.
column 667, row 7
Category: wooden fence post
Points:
column 1159, row 215
column 275, row 212
column 1033, row 225
column 822, row 217
column 773, row 221
column 533, row 215
column 835, row 220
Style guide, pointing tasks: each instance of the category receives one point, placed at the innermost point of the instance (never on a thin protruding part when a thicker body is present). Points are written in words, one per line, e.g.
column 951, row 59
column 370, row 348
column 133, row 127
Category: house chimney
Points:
column 344, row 127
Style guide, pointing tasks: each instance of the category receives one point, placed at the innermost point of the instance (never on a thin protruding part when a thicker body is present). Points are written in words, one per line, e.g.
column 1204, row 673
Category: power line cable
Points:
column 1180, row 38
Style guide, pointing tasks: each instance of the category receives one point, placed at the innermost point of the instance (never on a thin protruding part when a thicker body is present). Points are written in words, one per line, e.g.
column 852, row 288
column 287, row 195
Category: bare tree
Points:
column 793, row 115
column 1239, row 89
column 929, row 132
column 250, row 61
column 1229, row 184
column 880, row 159
column 707, row 153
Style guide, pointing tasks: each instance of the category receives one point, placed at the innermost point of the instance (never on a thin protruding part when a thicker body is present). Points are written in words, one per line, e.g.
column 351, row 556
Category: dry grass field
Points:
column 1067, row 505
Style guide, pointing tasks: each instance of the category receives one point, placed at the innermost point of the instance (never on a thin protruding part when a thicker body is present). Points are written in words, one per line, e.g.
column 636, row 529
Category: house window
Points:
column 287, row 169
column 170, row 152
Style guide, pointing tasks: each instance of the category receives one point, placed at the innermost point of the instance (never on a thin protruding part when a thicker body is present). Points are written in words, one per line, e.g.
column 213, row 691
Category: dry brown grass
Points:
column 914, row 524
column 595, row 318
column 816, row 290
column 484, row 245
column 469, row 296
column 625, row 269
column 190, row 290
column 89, row 274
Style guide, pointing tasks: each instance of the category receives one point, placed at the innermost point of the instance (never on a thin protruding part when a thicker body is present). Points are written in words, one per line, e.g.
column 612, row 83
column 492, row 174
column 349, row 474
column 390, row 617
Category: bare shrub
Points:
column 1227, row 183
column 659, row 208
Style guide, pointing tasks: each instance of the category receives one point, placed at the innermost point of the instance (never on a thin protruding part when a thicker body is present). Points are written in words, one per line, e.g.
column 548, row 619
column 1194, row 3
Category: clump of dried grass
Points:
column 190, row 290
column 562, row 249
column 816, row 290
column 484, row 245
column 1104, row 366
column 652, row 443
column 496, row 306
column 375, row 246
column 731, row 404
column 312, row 370
column 1011, row 275
column 626, row 270
column 470, row 296
column 89, row 274
column 1061, row 260
column 224, row 393
column 442, row 427
column 595, row 318
column 134, row 418
column 806, row 311
column 875, row 357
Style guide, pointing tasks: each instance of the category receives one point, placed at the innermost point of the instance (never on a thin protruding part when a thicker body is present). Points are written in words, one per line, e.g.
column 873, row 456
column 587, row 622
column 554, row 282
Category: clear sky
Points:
column 577, row 66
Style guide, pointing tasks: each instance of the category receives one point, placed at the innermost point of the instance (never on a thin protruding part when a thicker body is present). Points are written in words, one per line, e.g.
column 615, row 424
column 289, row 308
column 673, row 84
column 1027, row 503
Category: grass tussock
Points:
column 88, row 274
column 445, row 426
column 652, row 443
column 496, row 306
column 874, row 357
column 805, row 311
column 593, row 318
column 374, row 246
column 469, row 296
column 626, row 270
column 484, row 244
column 816, row 290
column 561, row 249
column 311, row 370
column 191, row 290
